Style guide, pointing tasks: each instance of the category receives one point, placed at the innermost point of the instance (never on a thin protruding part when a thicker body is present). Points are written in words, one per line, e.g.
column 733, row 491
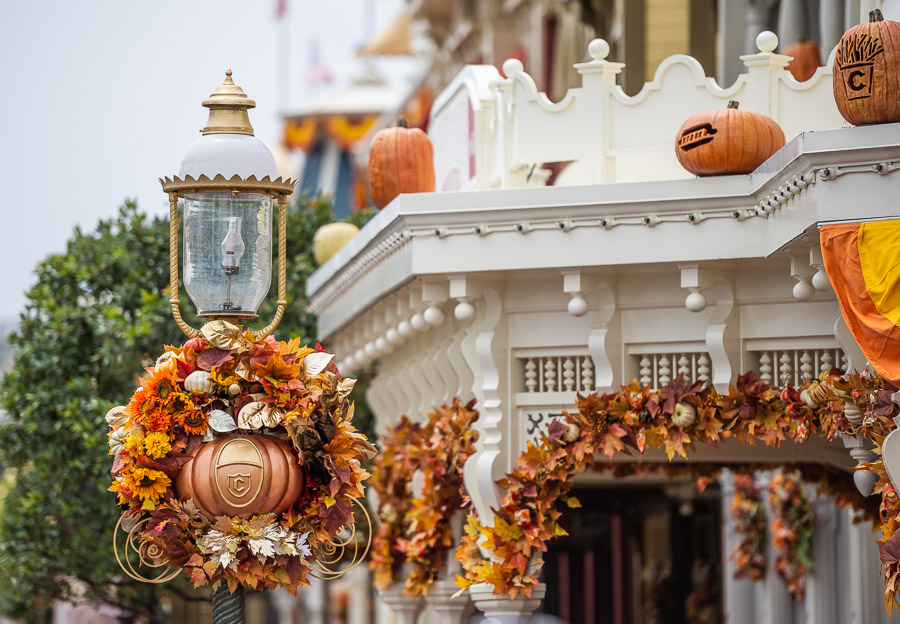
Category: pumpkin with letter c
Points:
column 866, row 73
column 727, row 141
column 806, row 61
column 242, row 475
column 401, row 160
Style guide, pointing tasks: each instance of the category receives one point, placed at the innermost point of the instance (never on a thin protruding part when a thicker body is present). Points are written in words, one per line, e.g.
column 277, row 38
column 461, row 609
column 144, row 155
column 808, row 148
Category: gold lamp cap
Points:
column 228, row 106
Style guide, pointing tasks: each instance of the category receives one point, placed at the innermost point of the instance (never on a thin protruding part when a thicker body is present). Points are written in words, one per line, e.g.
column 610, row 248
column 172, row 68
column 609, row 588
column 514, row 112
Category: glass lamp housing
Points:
column 227, row 252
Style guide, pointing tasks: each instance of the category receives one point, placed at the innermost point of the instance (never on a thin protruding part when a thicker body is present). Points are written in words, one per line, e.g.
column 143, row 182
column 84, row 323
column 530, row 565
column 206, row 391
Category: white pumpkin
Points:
column 199, row 382
column 684, row 415
column 117, row 440
column 116, row 417
column 329, row 239
column 572, row 433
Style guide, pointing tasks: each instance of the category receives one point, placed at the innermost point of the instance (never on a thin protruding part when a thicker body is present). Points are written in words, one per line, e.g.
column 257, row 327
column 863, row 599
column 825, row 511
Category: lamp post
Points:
column 228, row 183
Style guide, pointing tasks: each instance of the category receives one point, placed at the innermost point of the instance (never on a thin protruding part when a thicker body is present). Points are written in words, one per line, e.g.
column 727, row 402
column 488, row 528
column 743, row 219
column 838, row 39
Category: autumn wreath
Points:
column 675, row 418
column 224, row 387
column 416, row 526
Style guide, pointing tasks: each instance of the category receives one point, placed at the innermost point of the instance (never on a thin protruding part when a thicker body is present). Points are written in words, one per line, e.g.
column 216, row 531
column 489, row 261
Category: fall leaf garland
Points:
column 222, row 382
column 419, row 531
column 748, row 512
column 638, row 417
column 792, row 528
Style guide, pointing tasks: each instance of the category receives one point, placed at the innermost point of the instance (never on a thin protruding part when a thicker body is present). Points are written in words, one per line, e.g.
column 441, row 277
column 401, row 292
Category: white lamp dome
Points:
column 229, row 155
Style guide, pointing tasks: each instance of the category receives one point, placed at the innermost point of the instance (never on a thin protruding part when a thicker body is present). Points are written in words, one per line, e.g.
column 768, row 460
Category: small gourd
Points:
column 684, row 415
column 199, row 382
column 117, row 440
column 330, row 238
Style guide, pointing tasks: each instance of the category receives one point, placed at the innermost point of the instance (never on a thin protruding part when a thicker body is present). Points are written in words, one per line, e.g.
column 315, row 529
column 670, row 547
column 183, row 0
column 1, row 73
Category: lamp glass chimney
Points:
column 227, row 252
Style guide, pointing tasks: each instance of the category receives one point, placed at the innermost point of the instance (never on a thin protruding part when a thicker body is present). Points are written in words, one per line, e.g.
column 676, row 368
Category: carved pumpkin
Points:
column 401, row 160
column 727, row 141
column 242, row 475
column 806, row 61
column 330, row 238
column 867, row 72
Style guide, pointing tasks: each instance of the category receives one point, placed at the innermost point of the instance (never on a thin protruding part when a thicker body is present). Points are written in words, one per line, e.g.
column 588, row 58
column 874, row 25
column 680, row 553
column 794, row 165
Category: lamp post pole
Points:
column 227, row 606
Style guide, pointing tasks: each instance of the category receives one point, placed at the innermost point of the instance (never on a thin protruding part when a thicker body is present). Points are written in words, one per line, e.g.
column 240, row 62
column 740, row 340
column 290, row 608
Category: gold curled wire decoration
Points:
column 149, row 555
column 330, row 555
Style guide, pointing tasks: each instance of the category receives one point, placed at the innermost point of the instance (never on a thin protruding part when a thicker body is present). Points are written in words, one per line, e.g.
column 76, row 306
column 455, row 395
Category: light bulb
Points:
column 232, row 247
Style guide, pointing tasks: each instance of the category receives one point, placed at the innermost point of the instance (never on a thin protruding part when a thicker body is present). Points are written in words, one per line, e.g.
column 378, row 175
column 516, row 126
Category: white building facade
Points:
column 519, row 295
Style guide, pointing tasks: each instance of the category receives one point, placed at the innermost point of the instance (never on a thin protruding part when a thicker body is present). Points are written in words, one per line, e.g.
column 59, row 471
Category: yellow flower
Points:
column 224, row 375
column 145, row 483
column 161, row 384
column 157, row 444
column 133, row 443
column 193, row 421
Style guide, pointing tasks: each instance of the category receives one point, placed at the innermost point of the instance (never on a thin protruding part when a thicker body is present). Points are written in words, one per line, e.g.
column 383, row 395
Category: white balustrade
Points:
column 656, row 369
column 781, row 367
column 557, row 373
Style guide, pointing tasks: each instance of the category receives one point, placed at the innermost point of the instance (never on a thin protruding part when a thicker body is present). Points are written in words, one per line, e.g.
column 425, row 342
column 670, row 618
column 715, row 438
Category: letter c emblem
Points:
column 853, row 80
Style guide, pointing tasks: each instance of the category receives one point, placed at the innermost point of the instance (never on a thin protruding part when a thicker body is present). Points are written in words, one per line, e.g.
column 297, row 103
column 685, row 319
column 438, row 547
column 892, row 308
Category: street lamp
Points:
column 228, row 183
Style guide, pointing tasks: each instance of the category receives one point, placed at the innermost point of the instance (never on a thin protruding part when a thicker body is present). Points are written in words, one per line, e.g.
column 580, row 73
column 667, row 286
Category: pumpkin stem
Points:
column 733, row 104
column 876, row 16
column 401, row 122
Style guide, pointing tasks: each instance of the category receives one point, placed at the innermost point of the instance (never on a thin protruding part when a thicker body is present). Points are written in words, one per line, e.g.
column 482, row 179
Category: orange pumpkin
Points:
column 867, row 72
column 242, row 475
column 806, row 61
column 401, row 160
column 727, row 141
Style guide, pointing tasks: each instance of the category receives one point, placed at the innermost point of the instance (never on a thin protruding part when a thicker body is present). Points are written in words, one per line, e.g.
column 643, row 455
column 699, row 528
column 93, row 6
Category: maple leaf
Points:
column 337, row 515
column 611, row 440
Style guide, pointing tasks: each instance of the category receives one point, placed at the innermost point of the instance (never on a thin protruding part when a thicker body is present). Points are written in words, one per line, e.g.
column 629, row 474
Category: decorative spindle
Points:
column 530, row 375
column 550, row 374
column 786, row 370
column 646, row 371
column 703, row 367
column 665, row 372
column 844, row 363
column 569, row 374
column 827, row 361
column 765, row 367
column 684, row 367
column 587, row 374
column 806, row 368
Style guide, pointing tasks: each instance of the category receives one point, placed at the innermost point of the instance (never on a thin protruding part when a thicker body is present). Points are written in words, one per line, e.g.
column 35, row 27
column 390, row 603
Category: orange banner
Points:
column 346, row 131
column 300, row 134
column 863, row 265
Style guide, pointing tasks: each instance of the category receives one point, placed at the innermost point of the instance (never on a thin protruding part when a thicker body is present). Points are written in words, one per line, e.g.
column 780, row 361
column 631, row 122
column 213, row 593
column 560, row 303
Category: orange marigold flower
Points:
column 158, row 420
column 193, row 421
column 146, row 484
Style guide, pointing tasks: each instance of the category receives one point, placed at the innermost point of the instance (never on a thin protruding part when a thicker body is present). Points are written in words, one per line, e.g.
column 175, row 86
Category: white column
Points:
column 739, row 594
column 360, row 581
column 450, row 610
column 866, row 590
column 821, row 582
column 792, row 22
column 406, row 608
column 777, row 602
column 831, row 24
column 502, row 610
column 316, row 598
column 732, row 17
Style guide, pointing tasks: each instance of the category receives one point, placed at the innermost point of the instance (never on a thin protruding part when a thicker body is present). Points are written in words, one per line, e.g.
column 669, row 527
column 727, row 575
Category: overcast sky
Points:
column 102, row 97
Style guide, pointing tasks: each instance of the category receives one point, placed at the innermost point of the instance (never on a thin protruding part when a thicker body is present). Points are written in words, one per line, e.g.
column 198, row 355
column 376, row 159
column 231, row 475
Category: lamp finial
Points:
column 228, row 106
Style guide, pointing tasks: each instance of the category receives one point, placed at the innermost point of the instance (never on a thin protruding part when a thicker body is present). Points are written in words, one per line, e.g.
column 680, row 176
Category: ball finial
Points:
column 598, row 49
column 766, row 41
column 511, row 66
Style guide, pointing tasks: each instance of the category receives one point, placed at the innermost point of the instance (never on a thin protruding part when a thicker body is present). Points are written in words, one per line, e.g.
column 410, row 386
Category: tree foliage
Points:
column 98, row 313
